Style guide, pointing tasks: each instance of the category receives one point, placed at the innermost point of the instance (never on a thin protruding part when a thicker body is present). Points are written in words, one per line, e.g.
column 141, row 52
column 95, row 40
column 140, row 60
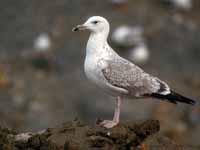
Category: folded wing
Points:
column 124, row 74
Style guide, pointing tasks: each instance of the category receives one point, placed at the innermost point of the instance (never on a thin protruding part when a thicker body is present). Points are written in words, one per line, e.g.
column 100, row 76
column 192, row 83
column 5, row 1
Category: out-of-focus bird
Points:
column 139, row 54
column 127, row 36
column 180, row 4
column 118, row 76
column 42, row 42
column 132, row 36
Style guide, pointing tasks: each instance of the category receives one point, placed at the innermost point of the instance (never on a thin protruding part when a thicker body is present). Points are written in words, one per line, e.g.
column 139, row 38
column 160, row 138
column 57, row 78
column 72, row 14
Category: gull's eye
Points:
column 95, row 22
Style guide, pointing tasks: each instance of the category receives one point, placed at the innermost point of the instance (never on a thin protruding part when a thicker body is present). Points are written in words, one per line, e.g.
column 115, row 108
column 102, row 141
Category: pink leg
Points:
column 117, row 110
column 115, row 121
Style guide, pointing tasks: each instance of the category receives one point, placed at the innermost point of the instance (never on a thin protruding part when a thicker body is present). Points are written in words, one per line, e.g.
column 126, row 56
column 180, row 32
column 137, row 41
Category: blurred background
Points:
column 42, row 81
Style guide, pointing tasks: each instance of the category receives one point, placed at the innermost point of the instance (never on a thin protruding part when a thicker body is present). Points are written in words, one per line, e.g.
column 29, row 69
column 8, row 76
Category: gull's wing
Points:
column 124, row 74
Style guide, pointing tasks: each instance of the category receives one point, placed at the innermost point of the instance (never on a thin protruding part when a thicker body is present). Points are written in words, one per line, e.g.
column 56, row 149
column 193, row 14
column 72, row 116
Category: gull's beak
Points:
column 79, row 27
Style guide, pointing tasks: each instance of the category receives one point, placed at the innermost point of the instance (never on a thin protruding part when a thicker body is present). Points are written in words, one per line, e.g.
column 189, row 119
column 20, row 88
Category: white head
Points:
column 95, row 24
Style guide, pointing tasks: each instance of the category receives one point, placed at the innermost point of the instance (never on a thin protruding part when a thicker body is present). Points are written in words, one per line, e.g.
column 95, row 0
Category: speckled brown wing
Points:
column 124, row 74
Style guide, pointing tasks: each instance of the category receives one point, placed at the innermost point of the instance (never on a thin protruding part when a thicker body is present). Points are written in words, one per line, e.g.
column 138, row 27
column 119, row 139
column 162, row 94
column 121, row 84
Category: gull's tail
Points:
column 174, row 97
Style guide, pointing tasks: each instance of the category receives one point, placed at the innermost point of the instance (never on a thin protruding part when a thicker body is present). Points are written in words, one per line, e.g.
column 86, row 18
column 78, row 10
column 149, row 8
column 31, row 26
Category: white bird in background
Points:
column 139, row 54
column 132, row 36
column 180, row 4
column 126, row 36
column 116, row 75
column 42, row 42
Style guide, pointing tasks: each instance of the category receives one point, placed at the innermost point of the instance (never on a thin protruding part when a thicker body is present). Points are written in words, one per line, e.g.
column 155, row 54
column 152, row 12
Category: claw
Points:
column 108, row 124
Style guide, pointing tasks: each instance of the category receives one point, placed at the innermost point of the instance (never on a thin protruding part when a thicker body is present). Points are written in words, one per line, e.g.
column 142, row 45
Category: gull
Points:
column 140, row 53
column 118, row 76
column 180, row 4
column 42, row 42
column 125, row 36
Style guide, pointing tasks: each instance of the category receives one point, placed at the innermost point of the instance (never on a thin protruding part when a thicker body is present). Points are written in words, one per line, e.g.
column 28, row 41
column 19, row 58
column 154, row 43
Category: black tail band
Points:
column 174, row 97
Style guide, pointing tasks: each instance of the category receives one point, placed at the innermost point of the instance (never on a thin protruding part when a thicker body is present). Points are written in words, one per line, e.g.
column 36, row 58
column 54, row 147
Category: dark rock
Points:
column 6, row 139
column 78, row 136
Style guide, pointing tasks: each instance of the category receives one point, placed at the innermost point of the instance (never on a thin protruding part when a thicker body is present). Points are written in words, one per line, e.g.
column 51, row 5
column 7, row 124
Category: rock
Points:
column 6, row 139
column 76, row 135
column 160, row 142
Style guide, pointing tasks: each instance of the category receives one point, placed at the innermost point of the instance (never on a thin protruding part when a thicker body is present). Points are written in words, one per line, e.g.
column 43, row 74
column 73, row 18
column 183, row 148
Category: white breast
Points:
column 96, row 54
column 93, row 70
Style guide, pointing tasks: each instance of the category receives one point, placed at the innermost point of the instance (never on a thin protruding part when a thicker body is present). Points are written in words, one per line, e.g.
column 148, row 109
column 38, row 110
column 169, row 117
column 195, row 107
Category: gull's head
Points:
column 95, row 24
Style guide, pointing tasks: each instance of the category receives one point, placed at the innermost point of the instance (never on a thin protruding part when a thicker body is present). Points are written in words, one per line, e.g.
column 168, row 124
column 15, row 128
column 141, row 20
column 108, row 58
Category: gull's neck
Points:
column 97, row 44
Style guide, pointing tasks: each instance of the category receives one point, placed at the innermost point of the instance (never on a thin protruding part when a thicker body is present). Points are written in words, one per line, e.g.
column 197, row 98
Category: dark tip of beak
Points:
column 75, row 29
column 79, row 27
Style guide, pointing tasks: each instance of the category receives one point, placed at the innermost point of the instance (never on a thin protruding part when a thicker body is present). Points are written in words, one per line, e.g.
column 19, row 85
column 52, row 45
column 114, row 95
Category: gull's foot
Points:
column 108, row 124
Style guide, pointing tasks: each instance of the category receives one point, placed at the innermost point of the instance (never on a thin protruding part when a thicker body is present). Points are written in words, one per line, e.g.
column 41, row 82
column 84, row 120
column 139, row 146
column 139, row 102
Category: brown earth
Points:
column 75, row 135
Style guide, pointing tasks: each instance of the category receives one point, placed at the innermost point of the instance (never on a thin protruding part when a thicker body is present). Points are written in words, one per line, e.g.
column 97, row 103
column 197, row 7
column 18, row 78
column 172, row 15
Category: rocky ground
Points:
column 140, row 135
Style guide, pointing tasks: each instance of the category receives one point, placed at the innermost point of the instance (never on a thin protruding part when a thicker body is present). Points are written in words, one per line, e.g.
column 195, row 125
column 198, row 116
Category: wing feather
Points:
column 124, row 74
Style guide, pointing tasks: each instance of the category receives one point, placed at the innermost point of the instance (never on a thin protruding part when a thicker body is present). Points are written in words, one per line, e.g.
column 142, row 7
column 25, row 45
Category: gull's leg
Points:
column 117, row 110
column 115, row 121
